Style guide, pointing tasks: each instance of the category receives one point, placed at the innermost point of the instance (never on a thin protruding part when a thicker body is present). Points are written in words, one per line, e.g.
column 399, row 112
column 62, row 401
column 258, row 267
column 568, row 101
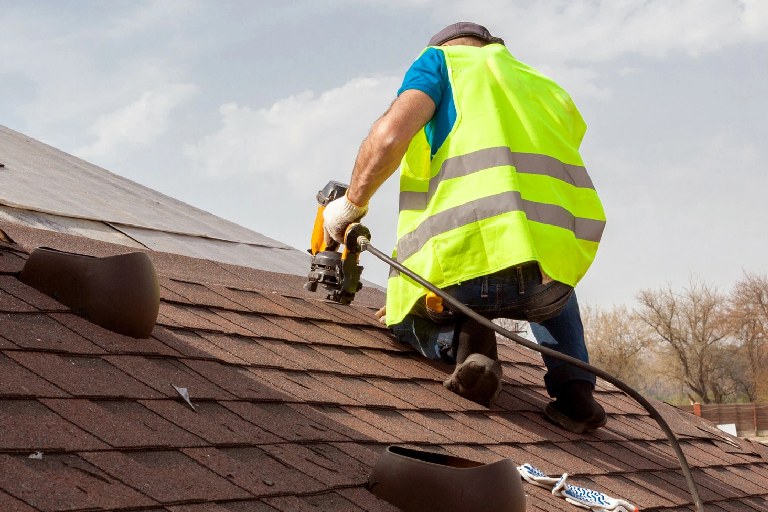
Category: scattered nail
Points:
column 184, row 392
column 36, row 455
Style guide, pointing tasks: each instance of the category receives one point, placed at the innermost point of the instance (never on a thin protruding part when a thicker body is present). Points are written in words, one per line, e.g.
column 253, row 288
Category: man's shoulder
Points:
column 431, row 56
column 427, row 74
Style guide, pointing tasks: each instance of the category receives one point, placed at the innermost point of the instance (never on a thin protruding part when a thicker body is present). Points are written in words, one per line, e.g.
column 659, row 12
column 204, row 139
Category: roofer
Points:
column 496, row 208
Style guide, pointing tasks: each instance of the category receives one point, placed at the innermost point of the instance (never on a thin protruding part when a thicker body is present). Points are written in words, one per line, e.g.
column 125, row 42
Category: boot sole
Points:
column 477, row 379
column 577, row 427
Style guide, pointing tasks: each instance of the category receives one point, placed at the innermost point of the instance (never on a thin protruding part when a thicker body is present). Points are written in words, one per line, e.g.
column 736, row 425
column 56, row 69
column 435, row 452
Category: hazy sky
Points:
column 247, row 108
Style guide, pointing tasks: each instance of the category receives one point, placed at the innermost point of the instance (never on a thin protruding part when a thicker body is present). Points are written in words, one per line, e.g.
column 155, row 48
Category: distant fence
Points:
column 750, row 419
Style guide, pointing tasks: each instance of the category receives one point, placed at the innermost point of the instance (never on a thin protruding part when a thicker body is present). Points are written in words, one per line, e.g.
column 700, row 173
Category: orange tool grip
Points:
column 317, row 244
column 434, row 303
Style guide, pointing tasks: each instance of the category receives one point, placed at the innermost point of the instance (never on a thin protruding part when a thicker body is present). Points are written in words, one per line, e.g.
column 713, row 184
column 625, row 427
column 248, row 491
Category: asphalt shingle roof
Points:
column 295, row 399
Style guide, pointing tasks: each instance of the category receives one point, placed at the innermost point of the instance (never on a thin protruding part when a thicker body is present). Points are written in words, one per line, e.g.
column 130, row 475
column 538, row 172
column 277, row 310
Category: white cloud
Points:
column 601, row 30
column 148, row 15
column 698, row 210
column 138, row 123
column 296, row 137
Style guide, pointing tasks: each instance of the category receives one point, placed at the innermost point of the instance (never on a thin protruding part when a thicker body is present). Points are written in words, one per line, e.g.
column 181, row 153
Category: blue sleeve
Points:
column 427, row 74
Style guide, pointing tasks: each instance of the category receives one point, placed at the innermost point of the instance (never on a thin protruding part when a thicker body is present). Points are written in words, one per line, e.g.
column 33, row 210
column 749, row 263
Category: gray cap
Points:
column 461, row 29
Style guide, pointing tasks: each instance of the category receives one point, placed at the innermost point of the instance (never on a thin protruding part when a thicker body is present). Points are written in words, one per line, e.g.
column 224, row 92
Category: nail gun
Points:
column 338, row 272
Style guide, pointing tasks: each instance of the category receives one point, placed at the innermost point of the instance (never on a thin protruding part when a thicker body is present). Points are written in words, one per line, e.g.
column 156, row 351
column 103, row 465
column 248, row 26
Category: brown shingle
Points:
column 309, row 357
column 249, row 325
column 324, row 462
column 239, row 382
column 167, row 476
column 658, row 452
column 255, row 302
column 179, row 342
column 37, row 300
column 360, row 429
column 303, row 394
column 254, row 505
column 44, row 333
column 211, row 421
column 304, row 308
column 510, row 399
column 110, row 341
column 11, row 262
column 447, row 426
column 10, row 304
column 196, row 294
column 201, row 343
column 303, row 387
column 327, row 501
column 361, row 391
column 83, row 376
column 28, row 426
column 744, row 479
column 620, row 458
column 510, row 351
column 123, row 424
column 406, row 365
column 65, row 482
column 254, row 470
column 251, row 350
column 287, row 422
column 529, row 429
column 8, row 502
column 17, row 381
column 307, row 332
column 349, row 315
column 358, row 361
column 161, row 374
column 395, row 423
column 415, row 394
column 356, row 336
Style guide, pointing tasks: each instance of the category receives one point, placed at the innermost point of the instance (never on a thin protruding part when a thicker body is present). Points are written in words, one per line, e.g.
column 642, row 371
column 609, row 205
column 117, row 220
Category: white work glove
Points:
column 589, row 499
column 535, row 476
column 337, row 216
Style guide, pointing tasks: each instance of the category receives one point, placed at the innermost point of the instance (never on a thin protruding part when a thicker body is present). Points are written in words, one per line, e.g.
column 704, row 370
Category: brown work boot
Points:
column 575, row 409
column 478, row 379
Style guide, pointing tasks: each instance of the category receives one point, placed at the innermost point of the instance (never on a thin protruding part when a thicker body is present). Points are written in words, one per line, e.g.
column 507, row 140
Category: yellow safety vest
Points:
column 507, row 186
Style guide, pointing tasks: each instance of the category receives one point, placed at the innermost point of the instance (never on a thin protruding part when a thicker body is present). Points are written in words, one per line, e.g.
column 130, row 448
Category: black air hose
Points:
column 365, row 244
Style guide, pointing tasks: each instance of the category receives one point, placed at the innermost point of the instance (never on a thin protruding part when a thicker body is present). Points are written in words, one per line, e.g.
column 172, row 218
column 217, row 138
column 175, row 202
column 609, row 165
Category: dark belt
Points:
column 528, row 271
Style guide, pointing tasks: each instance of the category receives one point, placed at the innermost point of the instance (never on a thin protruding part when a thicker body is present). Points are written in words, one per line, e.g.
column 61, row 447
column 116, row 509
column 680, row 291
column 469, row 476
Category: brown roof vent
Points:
column 119, row 293
column 421, row 481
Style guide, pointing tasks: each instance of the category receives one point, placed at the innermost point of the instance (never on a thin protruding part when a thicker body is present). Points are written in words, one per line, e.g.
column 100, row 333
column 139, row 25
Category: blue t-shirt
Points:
column 429, row 74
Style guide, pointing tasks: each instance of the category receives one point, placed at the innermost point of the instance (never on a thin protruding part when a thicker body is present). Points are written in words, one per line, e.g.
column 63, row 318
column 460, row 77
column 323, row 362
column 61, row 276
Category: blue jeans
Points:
column 517, row 293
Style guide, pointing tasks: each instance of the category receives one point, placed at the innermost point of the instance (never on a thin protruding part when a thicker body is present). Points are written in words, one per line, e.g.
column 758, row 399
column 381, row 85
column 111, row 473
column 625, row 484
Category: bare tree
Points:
column 618, row 341
column 748, row 314
column 692, row 327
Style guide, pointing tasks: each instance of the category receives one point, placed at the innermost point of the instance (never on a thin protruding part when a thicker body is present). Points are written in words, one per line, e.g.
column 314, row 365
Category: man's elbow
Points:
column 390, row 137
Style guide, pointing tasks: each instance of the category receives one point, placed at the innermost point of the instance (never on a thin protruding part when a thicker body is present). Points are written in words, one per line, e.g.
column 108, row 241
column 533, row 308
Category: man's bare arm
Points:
column 384, row 147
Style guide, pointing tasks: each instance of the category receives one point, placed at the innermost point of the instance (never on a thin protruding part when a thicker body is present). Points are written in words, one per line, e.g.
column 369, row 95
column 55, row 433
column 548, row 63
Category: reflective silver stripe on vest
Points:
column 528, row 163
column 491, row 206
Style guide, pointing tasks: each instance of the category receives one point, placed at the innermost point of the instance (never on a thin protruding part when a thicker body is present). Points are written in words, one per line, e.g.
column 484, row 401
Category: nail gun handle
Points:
column 333, row 190
column 316, row 243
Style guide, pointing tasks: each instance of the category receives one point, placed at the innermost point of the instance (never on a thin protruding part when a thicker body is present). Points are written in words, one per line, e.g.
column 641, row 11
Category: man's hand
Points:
column 338, row 215
column 381, row 315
